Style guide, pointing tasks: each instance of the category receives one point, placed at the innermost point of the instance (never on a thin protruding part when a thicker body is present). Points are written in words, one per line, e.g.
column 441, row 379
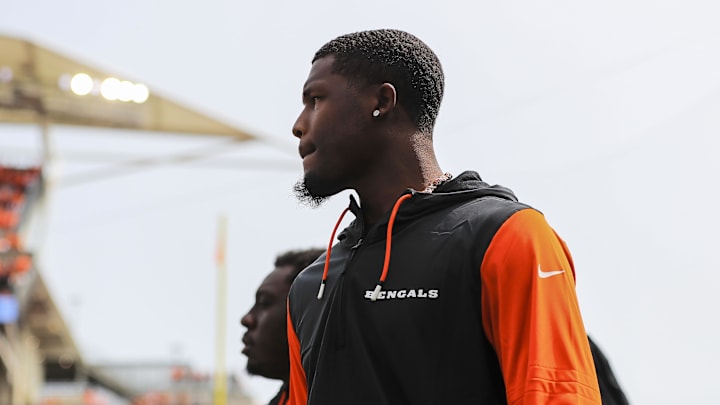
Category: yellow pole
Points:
column 220, row 386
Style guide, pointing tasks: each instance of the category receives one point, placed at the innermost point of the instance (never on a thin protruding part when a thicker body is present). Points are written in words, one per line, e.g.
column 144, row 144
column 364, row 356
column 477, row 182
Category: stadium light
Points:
column 111, row 88
column 81, row 84
column 140, row 93
column 125, row 91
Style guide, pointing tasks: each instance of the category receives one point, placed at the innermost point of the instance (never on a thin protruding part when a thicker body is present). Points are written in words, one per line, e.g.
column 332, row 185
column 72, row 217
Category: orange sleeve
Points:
column 298, row 383
column 531, row 315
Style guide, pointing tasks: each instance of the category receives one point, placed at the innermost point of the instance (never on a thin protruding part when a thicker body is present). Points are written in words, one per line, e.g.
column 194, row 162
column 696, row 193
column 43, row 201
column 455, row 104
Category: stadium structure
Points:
column 39, row 360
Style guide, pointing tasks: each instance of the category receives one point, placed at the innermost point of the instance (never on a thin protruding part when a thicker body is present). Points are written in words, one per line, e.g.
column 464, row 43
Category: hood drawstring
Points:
column 327, row 257
column 388, row 249
column 388, row 246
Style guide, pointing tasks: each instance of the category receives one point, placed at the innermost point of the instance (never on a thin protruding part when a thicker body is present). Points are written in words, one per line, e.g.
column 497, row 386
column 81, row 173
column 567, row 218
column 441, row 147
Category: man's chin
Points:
column 251, row 369
column 306, row 194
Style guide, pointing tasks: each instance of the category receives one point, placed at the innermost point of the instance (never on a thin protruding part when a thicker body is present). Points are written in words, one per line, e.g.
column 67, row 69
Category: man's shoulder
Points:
column 490, row 207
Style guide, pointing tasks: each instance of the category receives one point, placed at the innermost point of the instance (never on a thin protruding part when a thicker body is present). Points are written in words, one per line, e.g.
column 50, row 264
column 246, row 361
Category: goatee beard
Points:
column 305, row 196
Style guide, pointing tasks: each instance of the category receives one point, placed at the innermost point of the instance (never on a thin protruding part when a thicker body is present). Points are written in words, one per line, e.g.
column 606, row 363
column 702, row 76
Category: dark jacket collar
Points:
column 466, row 186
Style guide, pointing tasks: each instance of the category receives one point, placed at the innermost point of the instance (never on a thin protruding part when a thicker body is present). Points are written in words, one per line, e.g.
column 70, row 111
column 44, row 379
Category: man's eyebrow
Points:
column 307, row 88
column 306, row 94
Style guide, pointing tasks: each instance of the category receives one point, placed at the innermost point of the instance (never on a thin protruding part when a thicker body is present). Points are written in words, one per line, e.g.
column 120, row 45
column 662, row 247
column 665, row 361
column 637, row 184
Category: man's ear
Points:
column 386, row 99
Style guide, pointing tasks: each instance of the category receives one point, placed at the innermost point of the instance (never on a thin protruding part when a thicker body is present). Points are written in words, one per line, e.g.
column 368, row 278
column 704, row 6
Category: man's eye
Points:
column 314, row 101
column 263, row 300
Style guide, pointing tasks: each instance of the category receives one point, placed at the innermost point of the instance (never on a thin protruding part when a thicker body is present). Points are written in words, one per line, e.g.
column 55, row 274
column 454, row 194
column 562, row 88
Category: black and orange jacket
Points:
column 282, row 397
column 478, row 306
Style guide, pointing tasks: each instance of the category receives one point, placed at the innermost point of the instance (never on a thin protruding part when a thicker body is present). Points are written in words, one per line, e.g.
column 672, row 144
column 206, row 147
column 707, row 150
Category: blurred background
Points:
column 146, row 168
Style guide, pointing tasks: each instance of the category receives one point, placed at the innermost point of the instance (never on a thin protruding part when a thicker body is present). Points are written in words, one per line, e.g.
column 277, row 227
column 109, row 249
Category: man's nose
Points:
column 247, row 320
column 299, row 128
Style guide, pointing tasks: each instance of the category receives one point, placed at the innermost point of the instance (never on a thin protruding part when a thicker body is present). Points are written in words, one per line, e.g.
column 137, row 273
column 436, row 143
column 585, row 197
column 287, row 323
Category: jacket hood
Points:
column 470, row 181
column 466, row 186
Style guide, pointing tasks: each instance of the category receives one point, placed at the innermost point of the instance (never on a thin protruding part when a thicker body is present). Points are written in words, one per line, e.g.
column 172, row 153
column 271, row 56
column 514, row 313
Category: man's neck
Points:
column 408, row 162
column 377, row 198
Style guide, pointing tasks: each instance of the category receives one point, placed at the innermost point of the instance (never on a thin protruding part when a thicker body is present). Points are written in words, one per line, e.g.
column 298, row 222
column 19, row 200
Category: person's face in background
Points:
column 265, row 340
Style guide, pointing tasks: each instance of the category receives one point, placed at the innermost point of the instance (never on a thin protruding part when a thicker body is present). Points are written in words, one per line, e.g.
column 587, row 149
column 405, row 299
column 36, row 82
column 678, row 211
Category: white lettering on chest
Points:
column 404, row 294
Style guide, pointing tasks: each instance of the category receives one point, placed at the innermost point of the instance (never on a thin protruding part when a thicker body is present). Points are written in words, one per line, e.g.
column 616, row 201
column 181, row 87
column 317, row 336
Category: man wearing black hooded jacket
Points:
column 444, row 289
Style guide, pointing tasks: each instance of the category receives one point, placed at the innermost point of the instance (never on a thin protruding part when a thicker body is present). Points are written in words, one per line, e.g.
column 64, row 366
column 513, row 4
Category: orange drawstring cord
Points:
column 327, row 257
column 388, row 249
column 388, row 246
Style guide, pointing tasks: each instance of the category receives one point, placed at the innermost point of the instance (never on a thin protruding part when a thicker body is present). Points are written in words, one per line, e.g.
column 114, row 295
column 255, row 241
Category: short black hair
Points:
column 396, row 57
column 298, row 259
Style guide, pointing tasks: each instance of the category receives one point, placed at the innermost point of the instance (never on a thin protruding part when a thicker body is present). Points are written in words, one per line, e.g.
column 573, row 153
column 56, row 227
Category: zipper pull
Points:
column 357, row 245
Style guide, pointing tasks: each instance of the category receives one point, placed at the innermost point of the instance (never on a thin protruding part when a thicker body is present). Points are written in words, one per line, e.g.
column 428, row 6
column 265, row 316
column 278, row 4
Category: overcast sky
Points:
column 604, row 116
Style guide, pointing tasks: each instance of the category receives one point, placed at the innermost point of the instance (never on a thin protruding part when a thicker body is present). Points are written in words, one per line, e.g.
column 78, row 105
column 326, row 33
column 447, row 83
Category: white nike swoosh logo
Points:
column 546, row 274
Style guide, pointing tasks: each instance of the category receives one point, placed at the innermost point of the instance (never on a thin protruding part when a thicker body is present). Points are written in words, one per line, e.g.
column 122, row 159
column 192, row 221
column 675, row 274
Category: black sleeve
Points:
column 610, row 390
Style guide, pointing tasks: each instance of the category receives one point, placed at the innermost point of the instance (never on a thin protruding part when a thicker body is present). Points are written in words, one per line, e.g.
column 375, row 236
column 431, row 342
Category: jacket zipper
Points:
column 341, row 307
